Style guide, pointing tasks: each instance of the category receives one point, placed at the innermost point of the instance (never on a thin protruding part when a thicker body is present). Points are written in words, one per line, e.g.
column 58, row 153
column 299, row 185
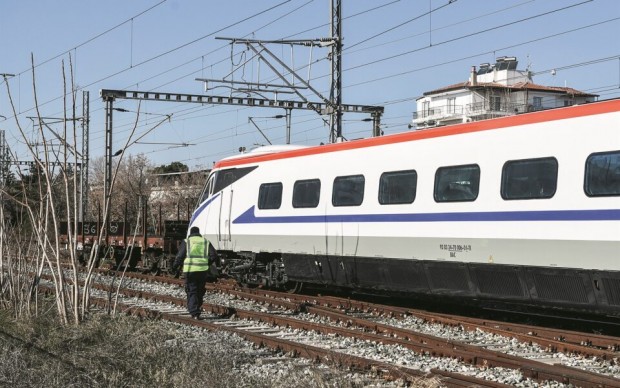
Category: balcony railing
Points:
column 443, row 115
column 439, row 111
column 485, row 107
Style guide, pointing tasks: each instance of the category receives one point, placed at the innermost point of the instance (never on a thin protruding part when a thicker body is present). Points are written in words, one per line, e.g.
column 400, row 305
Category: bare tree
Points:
column 35, row 245
column 47, row 194
column 131, row 184
column 175, row 195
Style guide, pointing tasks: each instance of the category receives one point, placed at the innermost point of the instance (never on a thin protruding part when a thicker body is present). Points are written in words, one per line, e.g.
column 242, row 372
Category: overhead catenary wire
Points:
column 570, row 66
column 94, row 37
column 162, row 54
column 401, row 24
column 413, row 98
column 400, row 39
column 487, row 52
column 529, row 18
column 453, row 39
column 464, row 36
column 198, row 110
column 193, row 41
column 174, row 49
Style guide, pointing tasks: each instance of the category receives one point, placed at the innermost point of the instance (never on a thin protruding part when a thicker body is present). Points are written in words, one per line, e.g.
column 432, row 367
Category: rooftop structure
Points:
column 494, row 90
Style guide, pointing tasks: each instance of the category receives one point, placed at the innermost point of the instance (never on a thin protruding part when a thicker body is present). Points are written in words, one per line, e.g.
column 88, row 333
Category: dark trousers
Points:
column 195, row 289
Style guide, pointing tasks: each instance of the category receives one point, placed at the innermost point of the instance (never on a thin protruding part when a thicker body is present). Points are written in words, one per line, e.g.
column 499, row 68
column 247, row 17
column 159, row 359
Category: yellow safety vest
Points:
column 197, row 256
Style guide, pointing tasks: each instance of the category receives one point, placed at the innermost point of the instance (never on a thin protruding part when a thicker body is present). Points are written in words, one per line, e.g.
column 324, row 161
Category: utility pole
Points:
column 336, row 56
column 4, row 150
column 85, row 149
column 107, row 187
column 4, row 160
column 288, row 125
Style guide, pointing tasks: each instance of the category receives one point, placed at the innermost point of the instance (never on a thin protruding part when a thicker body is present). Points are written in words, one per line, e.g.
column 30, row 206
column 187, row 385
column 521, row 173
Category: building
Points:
column 492, row 91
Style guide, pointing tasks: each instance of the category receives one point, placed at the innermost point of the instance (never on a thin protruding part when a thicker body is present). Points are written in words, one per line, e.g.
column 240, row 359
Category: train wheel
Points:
column 155, row 270
column 294, row 287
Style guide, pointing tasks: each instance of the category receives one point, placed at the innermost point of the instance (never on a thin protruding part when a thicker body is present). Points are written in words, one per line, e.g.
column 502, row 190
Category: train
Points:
column 523, row 209
column 152, row 250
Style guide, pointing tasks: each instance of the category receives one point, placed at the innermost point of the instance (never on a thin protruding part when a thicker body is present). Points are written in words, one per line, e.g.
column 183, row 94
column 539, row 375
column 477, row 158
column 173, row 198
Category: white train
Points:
column 521, row 209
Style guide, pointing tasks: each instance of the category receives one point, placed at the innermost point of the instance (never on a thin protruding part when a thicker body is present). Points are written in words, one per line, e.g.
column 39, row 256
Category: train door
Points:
column 343, row 234
column 224, row 231
column 225, row 184
column 343, row 241
column 224, row 234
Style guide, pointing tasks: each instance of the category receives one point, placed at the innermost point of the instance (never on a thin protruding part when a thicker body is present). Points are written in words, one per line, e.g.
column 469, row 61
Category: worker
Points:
column 200, row 255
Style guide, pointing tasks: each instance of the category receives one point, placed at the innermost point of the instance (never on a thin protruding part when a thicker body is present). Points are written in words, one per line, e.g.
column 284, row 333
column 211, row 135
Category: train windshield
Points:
column 223, row 178
column 206, row 191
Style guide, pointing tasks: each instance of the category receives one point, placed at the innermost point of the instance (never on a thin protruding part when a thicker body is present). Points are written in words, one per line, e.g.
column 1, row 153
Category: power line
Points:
column 401, row 24
column 455, row 39
column 167, row 52
column 468, row 35
column 286, row 37
column 382, row 44
column 575, row 65
column 94, row 37
column 279, row 18
column 344, row 18
column 200, row 108
column 186, row 44
column 483, row 53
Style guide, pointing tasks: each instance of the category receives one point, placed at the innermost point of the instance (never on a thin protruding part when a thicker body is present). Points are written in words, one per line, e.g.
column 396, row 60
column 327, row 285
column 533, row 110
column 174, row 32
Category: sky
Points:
column 393, row 52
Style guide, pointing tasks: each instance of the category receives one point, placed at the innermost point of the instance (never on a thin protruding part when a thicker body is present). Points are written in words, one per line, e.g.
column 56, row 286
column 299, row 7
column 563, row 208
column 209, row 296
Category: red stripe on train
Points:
column 476, row 126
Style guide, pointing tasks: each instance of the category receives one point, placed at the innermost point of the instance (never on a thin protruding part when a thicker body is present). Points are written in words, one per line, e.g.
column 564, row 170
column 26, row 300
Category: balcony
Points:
column 451, row 114
column 445, row 112
column 491, row 109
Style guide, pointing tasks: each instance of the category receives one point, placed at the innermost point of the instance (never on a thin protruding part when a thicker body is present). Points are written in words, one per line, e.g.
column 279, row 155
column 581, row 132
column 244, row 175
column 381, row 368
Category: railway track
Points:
column 398, row 343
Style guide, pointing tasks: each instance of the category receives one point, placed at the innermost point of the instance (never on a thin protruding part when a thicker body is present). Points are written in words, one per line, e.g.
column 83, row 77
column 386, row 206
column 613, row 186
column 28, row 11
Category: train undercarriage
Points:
column 553, row 288
column 254, row 269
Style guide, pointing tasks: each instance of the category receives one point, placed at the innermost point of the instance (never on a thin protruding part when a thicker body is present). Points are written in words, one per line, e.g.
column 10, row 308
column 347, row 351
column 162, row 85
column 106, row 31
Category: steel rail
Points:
column 417, row 342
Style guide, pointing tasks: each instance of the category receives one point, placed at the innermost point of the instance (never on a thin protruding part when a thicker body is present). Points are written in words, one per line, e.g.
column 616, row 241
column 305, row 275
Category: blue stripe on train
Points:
column 248, row 217
column 202, row 207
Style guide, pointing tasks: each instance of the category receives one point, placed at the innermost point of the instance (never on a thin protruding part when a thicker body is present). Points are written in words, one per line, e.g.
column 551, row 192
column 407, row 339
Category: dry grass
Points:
column 129, row 352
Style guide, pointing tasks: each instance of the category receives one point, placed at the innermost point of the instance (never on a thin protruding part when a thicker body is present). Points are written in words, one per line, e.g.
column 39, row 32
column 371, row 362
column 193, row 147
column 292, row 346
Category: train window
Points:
column 224, row 178
column 603, row 174
column 306, row 193
column 270, row 195
column 397, row 187
column 348, row 190
column 457, row 183
column 208, row 189
column 529, row 178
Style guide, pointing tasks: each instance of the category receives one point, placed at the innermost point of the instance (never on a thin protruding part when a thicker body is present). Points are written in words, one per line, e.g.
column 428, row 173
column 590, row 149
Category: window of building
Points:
column 452, row 105
column 397, row 187
column 426, row 108
column 457, row 183
column 529, row 178
column 537, row 103
column 306, row 193
column 495, row 103
column 270, row 195
column 348, row 190
column 603, row 174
